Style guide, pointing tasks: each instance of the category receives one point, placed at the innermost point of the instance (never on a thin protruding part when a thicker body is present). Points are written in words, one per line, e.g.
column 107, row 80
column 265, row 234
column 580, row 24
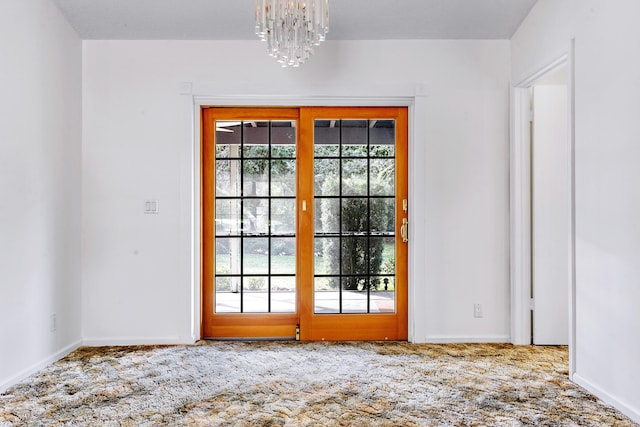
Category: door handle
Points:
column 404, row 230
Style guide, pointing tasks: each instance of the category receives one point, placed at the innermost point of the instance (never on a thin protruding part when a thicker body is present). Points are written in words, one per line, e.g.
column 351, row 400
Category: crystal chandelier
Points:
column 292, row 27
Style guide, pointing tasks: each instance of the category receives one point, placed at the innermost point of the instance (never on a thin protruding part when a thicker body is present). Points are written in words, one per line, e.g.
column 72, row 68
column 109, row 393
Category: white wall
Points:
column 138, row 144
column 40, row 144
column 607, row 197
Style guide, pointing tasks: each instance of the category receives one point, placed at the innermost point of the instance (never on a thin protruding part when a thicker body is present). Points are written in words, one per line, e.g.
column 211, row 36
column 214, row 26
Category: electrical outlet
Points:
column 477, row 310
column 53, row 325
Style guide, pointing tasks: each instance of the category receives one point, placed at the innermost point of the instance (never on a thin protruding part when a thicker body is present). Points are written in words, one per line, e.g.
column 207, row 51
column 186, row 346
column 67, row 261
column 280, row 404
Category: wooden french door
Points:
column 304, row 214
column 356, row 286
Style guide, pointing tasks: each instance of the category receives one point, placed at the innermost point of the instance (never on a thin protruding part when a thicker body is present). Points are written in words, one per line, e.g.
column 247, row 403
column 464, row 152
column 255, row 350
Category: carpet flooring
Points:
column 307, row 384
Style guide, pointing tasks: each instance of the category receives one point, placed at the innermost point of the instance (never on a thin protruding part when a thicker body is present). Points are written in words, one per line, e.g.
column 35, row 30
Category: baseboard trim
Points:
column 5, row 385
column 460, row 339
column 114, row 341
column 633, row 413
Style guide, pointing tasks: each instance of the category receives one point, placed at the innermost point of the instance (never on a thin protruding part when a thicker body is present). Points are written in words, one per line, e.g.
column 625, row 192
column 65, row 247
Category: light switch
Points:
column 151, row 206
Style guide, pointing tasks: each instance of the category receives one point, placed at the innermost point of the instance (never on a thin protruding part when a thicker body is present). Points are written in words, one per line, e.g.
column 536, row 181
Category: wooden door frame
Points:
column 199, row 267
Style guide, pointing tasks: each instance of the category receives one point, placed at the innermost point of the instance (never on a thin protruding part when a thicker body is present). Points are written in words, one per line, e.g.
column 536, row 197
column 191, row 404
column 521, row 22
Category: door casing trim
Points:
column 520, row 203
column 200, row 101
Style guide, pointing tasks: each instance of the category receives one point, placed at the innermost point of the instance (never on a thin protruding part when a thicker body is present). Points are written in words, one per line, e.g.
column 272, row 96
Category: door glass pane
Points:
column 283, row 294
column 354, row 225
column 381, row 255
column 354, row 137
column 354, row 301
column 354, row 215
column 354, row 259
column 382, row 177
column 255, row 177
column 326, row 295
column 283, row 253
column 255, row 217
column 283, row 216
column 227, row 139
column 228, row 256
column 327, row 256
column 326, row 138
column 227, row 294
column 382, row 215
column 283, row 139
column 228, row 178
column 326, row 177
column 255, row 140
column 283, row 177
column 255, row 256
column 227, row 217
column 383, row 299
column 354, row 177
column 382, row 136
column 255, row 295
column 327, row 216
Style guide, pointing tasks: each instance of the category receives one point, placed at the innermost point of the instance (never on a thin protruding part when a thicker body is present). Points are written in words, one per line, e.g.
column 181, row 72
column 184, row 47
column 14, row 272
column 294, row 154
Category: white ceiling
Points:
column 349, row 19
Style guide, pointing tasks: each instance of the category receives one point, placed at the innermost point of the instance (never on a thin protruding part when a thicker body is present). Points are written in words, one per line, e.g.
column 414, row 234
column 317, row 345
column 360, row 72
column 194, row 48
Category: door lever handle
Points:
column 404, row 230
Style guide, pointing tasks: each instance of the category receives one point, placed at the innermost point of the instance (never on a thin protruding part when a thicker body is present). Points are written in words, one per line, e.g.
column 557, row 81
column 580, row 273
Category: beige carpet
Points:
column 307, row 384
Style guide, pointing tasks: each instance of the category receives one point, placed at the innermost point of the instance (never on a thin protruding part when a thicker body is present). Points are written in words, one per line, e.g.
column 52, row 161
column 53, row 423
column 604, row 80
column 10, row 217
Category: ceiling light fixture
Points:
column 292, row 27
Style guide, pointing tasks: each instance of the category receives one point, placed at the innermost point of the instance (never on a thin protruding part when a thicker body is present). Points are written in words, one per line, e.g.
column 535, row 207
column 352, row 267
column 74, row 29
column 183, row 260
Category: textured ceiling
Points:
column 349, row 19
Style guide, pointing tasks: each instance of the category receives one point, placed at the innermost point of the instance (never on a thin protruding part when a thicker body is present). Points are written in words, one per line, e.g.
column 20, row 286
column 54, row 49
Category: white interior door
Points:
column 550, row 216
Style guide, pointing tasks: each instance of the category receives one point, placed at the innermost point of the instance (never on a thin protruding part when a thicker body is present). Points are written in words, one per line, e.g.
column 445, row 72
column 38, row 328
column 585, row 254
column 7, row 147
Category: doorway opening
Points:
column 530, row 183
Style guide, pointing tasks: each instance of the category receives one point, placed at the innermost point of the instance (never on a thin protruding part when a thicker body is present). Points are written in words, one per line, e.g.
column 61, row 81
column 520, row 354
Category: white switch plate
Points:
column 477, row 310
column 151, row 206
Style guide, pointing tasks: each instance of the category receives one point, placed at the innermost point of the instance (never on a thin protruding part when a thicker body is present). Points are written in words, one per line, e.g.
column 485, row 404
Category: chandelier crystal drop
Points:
column 291, row 28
